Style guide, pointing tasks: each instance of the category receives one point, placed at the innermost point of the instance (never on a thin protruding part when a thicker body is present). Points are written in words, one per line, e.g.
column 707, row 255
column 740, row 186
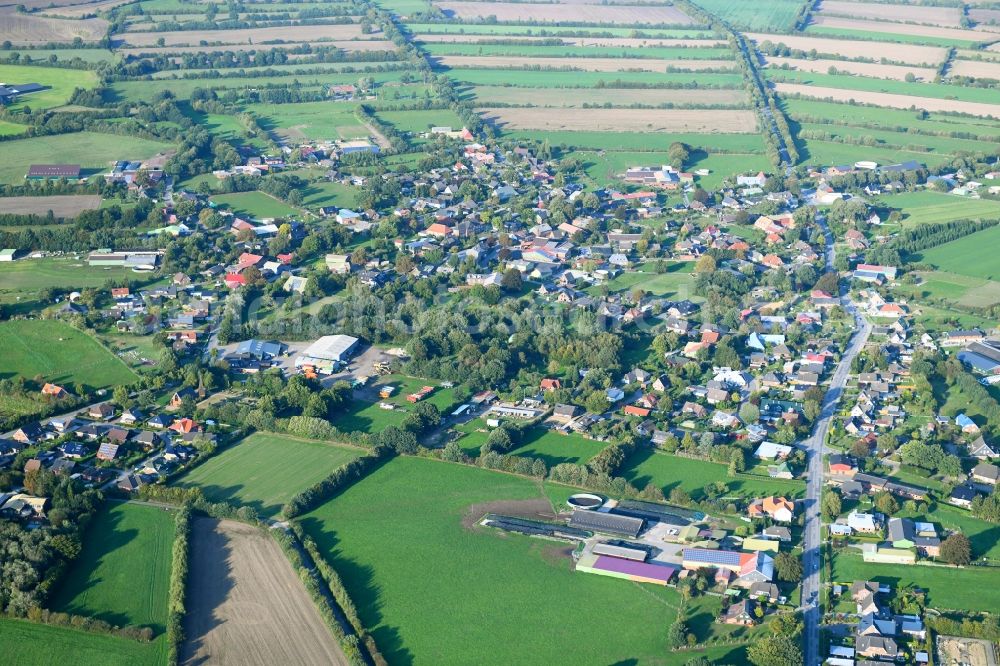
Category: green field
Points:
column 10, row 129
column 420, row 121
column 60, row 83
column 761, row 16
column 123, row 573
column 722, row 166
column 669, row 471
column 63, row 55
column 960, row 289
column 256, row 205
column 367, row 416
column 829, row 152
column 552, row 447
column 971, row 588
column 974, row 255
column 868, row 84
column 92, row 151
column 906, row 141
column 677, row 282
column 59, row 353
column 405, row 535
column 26, row 277
column 899, row 120
column 928, row 207
column 265, row 469
column 311, row 120
column 576, row 79
column 29, row 644
column 570, row 52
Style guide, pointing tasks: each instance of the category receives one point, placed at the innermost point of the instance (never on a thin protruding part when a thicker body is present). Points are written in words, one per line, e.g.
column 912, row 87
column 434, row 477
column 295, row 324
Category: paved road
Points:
column 814, row 449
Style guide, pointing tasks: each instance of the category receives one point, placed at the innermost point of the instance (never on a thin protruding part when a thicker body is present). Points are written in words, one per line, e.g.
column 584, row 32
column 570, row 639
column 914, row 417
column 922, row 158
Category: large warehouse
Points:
column 327, row 352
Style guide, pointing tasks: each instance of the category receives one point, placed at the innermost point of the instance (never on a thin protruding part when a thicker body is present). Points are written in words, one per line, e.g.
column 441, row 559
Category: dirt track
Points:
column 588, row 13
column 890, row 100
column 910, row 54
column 246, row 607
column 624, row 120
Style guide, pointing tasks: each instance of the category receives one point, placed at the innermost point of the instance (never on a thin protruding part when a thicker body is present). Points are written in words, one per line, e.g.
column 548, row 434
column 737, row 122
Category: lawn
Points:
column 972, row 588
column 30, row 644
column 256, row 205
column 952, row 288
column 10, row 129
column 123, row 572
column 974, row 255
column 27, row 277
column 94, row 152
column 677, row 282
column 420, row 121
column 434, row 589
column 59, row 81
column 928, row 207
column 59, row 353
column 365, row 414
column 265, row 469
column 555, row 447
column 668, row 472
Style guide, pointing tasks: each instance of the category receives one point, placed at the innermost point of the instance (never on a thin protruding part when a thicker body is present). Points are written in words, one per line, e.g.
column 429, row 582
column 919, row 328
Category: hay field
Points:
column 61, row 206
column 351, row 46
column 867, row 25
column 25, row 30
column 626, row 120
column 949, row 17
column 81, row 10
column 577, row 97
column 875, row 70
column 291, row 33
column 910, row 54
column 245, row 604
column 583, row 64
column 975, row 68
column 546, row 13
column 604, row 42
column 890, row 100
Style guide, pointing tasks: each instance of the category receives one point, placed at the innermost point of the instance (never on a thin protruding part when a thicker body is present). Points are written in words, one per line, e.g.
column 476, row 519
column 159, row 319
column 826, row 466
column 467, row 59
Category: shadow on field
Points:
column 359, row 579
column 209, row 584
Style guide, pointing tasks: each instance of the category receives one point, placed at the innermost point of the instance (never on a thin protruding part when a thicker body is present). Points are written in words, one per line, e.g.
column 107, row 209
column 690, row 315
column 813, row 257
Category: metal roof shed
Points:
column 607, row 523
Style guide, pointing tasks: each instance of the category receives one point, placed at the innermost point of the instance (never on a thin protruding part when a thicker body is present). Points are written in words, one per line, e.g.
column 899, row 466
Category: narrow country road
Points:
column 814, row 450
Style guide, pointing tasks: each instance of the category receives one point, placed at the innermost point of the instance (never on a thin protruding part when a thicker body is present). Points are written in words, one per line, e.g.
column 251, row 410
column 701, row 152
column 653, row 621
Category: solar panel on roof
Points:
column 721, row 557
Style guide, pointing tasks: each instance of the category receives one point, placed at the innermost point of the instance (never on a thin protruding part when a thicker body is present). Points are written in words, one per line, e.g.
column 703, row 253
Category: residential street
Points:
column 814, row 447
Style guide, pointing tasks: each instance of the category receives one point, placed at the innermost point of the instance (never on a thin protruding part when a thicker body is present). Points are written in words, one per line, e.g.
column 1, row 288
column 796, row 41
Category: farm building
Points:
column 327, row 352
column 7, row 255
column 627, row 569
column 358, row 146
column 46, row 171
column 607, row 523
column 10, row 92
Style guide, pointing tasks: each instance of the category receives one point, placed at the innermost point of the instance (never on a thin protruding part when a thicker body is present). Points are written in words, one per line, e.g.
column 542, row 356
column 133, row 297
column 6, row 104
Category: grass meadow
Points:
column 928, row 207
column 59, row 353
column 60, row 83
column 974, row 255
column 960, row 289
column 94, row 152
column 28, row 643
column 123, row 572
column 669, row 471
column 257, row 205
column 265, row 469
column 761, row 16
column 969, row 589
column 429, row 583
